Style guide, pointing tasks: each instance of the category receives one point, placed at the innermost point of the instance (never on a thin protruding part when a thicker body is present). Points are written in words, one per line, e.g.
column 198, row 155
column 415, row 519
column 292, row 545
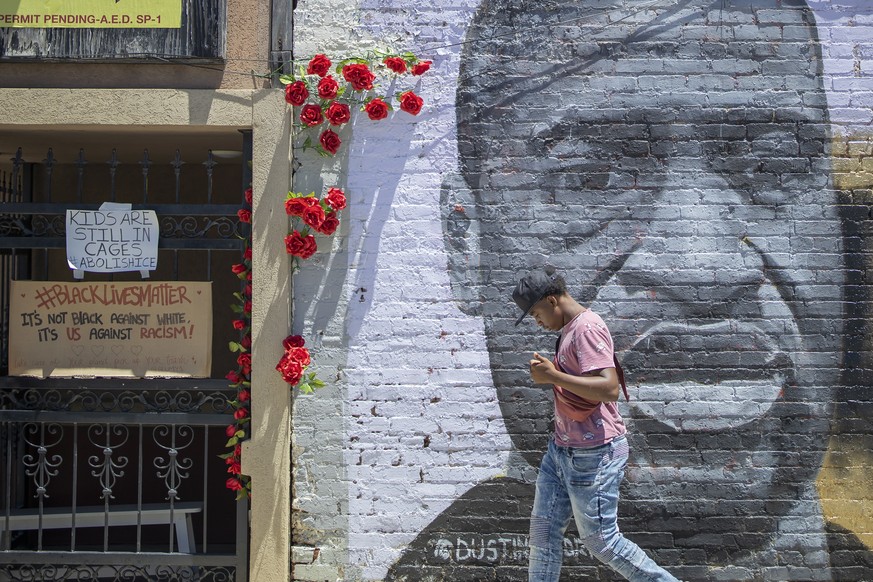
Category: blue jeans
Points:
column 583, row 484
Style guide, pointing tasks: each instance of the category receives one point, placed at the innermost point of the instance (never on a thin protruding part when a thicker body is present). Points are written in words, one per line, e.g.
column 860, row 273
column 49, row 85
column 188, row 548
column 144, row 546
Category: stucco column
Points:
column 266, row 457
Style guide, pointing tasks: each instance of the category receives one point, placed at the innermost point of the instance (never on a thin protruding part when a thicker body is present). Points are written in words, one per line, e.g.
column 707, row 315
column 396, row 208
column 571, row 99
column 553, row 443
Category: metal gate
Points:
column 120, row 479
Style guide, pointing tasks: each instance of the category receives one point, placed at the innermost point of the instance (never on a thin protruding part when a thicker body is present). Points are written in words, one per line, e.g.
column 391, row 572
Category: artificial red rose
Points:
column 314, row 216
column 244, row 215
column 291, row 370
column 300, row 246
column 296, row 206
column 243, row 396
column 376, row 109
column 330, row 141
column 359, row 76
column 311, row 115
column 421, row 67
column 296, row 93
column 329, row 224
column 230, row 430
column 234, row 377
column 293, row 341
column 299, row 355
column 239, row 324
column 396, row 64
column 335, row 198
column 248, row 195
column 240, row 413
column 234, row 466
column 245, row 363
column 319, row 65
column 328, row 88
column 338, row 113
column 233, row 484
column 410, row 102
column 249, row 276
column 239, row 269
column 247, row 307
column 247, row 254
column 248, row 291
column 246, row 341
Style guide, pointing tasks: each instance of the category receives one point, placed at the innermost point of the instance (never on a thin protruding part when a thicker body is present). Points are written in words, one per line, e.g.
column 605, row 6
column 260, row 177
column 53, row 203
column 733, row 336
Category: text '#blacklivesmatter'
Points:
column 59, row 295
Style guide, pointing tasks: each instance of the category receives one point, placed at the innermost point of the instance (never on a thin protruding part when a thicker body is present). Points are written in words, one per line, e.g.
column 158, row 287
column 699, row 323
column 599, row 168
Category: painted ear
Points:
column 461, row 238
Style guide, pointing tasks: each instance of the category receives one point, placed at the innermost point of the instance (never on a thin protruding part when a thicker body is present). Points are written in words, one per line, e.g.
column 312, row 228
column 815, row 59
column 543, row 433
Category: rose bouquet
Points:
column 293, row 364
column 324, row 102
column 319, row 215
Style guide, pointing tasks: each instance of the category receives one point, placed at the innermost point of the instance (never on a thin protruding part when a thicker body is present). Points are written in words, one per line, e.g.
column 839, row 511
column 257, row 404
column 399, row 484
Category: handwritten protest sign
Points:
column 138, row 330
column 112, row 241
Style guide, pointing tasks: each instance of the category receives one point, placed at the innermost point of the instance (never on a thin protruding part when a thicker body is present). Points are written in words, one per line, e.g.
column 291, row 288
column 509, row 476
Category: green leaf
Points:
column 242, row 494
column 236, row 308
column 286, row 79
column 231, row 442
column 234, row 347
column 226, row 455
column 318, row 383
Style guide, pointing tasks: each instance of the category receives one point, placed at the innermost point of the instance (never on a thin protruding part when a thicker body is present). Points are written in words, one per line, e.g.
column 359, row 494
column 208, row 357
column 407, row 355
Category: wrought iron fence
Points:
column 119, row 479
column 113, row 477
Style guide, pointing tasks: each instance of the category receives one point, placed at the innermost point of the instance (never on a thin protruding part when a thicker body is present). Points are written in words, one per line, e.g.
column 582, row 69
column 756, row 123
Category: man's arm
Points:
column 601, row 386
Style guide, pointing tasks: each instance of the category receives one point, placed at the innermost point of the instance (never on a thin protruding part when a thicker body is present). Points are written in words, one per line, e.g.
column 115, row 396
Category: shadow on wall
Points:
column 335, row 308
column 675, row 165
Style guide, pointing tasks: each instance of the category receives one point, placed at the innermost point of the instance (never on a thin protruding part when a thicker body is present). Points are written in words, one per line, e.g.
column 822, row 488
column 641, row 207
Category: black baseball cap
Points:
column 532, row 288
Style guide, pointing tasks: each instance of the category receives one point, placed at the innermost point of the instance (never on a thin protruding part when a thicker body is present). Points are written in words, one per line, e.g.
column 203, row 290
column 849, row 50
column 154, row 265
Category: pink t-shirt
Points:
column 586, row 345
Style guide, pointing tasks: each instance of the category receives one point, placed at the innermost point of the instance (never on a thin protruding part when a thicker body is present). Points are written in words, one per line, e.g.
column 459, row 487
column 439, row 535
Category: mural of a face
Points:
column 674, row 166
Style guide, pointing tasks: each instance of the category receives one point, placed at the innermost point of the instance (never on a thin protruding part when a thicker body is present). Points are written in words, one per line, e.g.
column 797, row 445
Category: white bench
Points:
column 95, row 516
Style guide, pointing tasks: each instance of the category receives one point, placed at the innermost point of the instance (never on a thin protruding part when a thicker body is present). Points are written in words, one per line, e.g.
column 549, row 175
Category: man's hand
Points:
column 541, row 370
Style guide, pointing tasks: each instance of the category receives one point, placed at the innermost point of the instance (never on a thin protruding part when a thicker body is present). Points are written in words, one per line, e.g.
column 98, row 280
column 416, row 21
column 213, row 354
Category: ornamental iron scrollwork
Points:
column 42, row 467
column 176, row 227
column 115, row 573
column 106, row 468
column 199, row 227
column 173, row 470
column 111, row 401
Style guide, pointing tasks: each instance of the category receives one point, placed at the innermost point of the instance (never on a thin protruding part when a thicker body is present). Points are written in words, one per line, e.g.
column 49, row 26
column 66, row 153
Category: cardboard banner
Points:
column 91, row 13
column 112, row 241
column 122, row 330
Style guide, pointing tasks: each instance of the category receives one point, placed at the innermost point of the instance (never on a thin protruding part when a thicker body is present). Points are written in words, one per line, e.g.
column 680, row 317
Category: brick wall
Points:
column 700, row 174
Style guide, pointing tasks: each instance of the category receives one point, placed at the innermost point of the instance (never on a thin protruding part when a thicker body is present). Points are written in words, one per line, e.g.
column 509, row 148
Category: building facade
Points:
column 699, row 172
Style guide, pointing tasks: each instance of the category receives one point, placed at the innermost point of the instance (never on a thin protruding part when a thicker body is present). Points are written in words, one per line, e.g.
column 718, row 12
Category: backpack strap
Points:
column 620, row 373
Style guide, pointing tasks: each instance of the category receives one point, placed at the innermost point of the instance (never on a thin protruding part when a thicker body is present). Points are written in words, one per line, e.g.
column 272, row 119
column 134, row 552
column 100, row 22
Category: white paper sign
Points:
column 111, row 240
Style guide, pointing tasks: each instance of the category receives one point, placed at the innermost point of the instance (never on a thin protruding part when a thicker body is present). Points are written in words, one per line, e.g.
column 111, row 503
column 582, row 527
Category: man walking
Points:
column 581, row 472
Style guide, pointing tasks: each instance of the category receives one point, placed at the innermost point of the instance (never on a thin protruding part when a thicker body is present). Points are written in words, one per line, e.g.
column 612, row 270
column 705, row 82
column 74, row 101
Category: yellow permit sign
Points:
column 90, row 13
